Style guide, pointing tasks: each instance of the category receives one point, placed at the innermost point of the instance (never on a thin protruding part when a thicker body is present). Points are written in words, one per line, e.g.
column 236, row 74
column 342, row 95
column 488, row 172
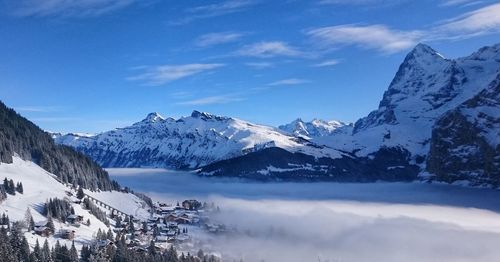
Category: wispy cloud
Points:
column 267, row 49
column 290, row 81
column 482, row 21
column 485, row 20
column 213, row 10
column 378, row 37
column 55, row 119
column 460, row 2
column 79, row 8
column 369, row 3
column 260, row 65
column 212, row 39
column 210, row 100
column 327, row 63
column 38, row 109
column 163, row 74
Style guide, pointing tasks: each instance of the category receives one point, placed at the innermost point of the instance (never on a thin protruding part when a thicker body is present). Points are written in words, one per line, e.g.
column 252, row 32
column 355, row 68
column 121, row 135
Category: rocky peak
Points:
column 207, row 116
column 152, row 118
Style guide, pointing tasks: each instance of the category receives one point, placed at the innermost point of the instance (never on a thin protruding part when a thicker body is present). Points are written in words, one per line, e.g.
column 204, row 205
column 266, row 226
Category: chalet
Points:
column 182, row 220
column 171, row 218
column 42, row 229
column 105, row 244
column 172, row 225
column 67, row 234
column 191, row 204
column 171, row 233
column 74, row 219
column 161, row 239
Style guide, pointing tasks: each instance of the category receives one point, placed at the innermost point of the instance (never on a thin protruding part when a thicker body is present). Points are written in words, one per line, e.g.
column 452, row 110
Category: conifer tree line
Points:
column 96, row 211
column 58, row 208
column 119, row 252
column 14, row 247
column 20, row 136
column 11, row 188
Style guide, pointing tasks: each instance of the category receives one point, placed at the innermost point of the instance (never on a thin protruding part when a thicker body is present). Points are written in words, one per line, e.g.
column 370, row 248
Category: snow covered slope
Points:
column 39, row 186
column 426, row 86
column 315, row 128
column 187, row 142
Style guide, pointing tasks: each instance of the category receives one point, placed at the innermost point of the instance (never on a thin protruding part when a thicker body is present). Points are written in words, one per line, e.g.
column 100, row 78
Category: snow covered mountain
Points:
column 314, row 128
column 415, row 109
column 426, row 86
column 438, row 115
column 187, row 142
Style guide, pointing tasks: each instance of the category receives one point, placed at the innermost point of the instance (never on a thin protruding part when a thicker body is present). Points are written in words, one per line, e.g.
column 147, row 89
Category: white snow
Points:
column 39, row 186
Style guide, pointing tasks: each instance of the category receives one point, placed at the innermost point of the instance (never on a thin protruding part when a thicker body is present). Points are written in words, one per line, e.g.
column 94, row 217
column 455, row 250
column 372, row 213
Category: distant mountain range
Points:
column 439, row 119
column 187, row 142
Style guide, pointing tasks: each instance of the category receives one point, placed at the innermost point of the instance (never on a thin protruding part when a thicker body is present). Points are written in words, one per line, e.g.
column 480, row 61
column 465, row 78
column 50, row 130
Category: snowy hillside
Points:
column 39, row 186
column 187, row 142
column 315, row 128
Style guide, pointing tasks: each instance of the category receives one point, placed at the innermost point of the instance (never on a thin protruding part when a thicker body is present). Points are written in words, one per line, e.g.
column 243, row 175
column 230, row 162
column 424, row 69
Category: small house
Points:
column 74, row 219
column 43, row 231
column 68, row 234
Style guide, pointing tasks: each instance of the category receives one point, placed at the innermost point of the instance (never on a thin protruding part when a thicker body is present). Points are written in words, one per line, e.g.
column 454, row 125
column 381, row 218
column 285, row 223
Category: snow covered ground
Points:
column 337, row 222
column 39, row 186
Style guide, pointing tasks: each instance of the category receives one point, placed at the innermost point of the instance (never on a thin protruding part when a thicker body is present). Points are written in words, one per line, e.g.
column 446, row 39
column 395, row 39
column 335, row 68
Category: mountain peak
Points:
column 153, row 117
column 423, row 51
column 206, row 116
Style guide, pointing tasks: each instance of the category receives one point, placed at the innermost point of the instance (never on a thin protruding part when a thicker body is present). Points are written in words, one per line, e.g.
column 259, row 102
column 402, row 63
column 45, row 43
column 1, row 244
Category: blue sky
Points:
column 93, row 65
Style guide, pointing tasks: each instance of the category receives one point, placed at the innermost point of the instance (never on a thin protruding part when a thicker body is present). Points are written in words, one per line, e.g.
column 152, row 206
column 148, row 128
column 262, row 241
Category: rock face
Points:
column 187, row 142
column 465, row 141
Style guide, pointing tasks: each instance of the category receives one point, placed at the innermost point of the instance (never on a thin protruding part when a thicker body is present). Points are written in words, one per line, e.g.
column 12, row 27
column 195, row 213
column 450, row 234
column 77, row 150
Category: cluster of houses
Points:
column 167, row 225
column 43, row 228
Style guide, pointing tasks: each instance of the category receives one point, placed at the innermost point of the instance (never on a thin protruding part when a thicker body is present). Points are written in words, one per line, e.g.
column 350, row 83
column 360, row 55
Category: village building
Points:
column 67, row 234
column 42, row 229
column 74, row 219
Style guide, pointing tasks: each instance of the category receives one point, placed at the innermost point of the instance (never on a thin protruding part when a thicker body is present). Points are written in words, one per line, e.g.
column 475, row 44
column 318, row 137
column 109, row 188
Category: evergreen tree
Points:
column 24, row 252
column 37, row 251
column 80, row 194
column 45, row 252
column 50, row 225
column 12, row 187
column 73, row 254
column 19, row 188
column 28, row 219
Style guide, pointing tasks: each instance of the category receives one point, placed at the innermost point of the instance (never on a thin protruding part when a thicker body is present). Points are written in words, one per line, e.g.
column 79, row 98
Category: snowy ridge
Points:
column 426, row 86
column 314, row 128
column 187, row 142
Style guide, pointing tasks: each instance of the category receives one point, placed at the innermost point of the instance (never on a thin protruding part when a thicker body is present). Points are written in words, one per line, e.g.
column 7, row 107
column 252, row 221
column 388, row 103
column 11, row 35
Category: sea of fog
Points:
column 336, row 221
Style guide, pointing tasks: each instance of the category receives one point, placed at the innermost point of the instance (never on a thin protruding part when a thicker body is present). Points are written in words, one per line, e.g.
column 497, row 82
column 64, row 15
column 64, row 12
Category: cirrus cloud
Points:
column 266, row 49
column 290, row 81
column 77, row 8
column 212, row 39
column 378, row 37
column 163, row 74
